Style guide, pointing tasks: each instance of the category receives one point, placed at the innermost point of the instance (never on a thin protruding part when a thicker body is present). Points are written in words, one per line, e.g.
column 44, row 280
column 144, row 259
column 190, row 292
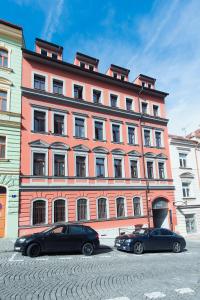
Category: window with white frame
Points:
column 59, row 165
column 113, row 100
column 144, row 106
column 147, row 138
column 150, row 169
column 82, row 210
column 186, row 189
column 78, row 91
column 131, row 135
column 136, row 206
column 59, row 210
column 39, row 164
column 161, row 170
column 44, row 52
column 134, row 168
column 57, row 86
column 100, row 166
column 120, row 205
column 96, row 96
column 2, row 147
column 39, row 82
column 58, row 124
column 158, row 139
column 102, row 208
column 99, row 130
column 39, row 120
column 80, row 127
column 39, row 212
column 3, row 58
column 81, row 166
column 3, row 100
column 155, row 110
column 183, row 160
column 129, row 104
column 116, row 133
column 118, row 168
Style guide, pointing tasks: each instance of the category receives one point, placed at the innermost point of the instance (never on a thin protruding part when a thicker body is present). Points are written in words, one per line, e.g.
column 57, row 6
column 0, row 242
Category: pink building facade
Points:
column 94, row 146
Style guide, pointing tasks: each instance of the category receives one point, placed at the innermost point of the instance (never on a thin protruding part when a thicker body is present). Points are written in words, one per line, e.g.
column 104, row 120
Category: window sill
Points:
column 189, row 198
column 96, row 140
column 9, row 70
column 40, row 90
column 132, row 144
column 120, row 143
column 4, row 160
column 80, row 138
column 40, row 132
column 57, row 134
column 185, row 168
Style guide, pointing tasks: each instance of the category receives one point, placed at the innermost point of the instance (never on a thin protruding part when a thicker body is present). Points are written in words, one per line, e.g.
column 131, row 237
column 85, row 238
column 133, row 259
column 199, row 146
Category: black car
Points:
column 153, row 239
column 59, row 238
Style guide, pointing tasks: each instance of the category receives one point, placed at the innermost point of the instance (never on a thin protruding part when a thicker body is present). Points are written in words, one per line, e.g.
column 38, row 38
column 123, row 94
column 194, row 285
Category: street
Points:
column 109, row 274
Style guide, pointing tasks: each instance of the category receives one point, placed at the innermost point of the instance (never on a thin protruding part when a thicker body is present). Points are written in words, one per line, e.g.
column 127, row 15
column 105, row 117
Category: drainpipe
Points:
column 143, row 160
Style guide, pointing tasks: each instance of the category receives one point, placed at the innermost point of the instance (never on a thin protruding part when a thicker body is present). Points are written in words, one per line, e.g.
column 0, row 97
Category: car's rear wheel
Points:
column 87, row 249
column 138, row 248
column 176, row 247
column 33, row 250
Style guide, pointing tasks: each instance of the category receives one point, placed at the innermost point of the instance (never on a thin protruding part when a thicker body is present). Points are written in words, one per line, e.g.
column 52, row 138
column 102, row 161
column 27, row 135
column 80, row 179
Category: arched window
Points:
column 82, row 210
column 136, row 206
column 120, row 207
column 102, row 208
column 59, row 210
column 39, row 212
column 3, row 58
column 3, row 100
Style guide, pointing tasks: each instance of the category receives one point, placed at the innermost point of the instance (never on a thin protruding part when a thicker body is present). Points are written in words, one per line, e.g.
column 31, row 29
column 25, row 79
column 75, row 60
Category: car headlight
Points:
column 21, row 240
column 128, row 241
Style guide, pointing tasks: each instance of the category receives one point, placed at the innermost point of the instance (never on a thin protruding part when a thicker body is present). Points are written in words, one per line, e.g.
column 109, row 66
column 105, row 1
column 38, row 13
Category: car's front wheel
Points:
column 138, row 248
column 87, row 249
column 176, row 247
column 33, row 250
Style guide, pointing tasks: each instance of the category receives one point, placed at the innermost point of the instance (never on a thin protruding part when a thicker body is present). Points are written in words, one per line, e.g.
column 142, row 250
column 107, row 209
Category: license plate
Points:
column 17, row 248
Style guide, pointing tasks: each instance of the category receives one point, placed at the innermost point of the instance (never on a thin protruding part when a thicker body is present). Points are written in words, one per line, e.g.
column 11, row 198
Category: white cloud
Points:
column 52, row 19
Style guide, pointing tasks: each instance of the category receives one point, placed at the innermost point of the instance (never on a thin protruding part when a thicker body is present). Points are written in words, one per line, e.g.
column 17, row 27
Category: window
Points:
column 76, row 230
column 147, row 138
column 3, row 100
column 131, row 135
column 39, row 121
column 183, row 160
column 58, row 230
column 3, row 58
column 155, row 110
column 158, row 139
column 100, row 167
column 134, row 168
column 122, row 77
column 79, row 127
column 136, row 206
column 113, row 100
column 165, row 232
column 82, row 213
column 91, row 68
column 43, row 52
column 150, row 169
column 144, row 107
column 82, row 65
column 114, row 75
column 190, row 223
column 186, row 189
column 54, row 56
column 2, row 147
column 98, row 127
column 39, row 164
column 39, row 82
column 149, row 85
column 102, row 208
column 161, row 170
column 129, row 104
column 59, row 165
column 57, row 87
column 80, row 166
column 120, row 207
column 96, row 96
column 116, row 133
column 59, row 210
column 39, row 212
column 78, row 91
column 59, row 124
column 143, row 84
column 118, row 168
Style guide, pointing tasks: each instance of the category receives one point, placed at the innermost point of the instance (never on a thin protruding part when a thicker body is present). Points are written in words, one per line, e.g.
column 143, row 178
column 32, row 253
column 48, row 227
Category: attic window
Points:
column 143, row 83
column 122, row 77
column 149, row 85
column 54, row 56
column 43, row 52
column 91, row 67
column 82, row 65
column 114, row 75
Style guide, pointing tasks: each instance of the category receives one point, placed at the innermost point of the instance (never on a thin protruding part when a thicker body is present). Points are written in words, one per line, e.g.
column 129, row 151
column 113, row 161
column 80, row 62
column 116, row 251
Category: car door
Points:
column 57, row 239
column 155, row 240
column 77, row 236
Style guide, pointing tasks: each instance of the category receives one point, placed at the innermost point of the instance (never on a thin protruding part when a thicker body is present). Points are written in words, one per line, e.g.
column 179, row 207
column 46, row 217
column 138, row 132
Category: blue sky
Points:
column 159, row 38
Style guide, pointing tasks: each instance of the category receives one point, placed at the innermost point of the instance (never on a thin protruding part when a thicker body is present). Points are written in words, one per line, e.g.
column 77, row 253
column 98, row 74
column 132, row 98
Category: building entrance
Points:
column 160, row 213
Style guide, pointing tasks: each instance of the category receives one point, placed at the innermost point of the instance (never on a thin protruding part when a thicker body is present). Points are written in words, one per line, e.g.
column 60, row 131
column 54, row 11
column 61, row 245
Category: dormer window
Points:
column 3, row 58
column 143, row 84
column 82, row 65
column 43, row 52
column 54, row 56
column 149, row 85
column 114, row 75
column 91, row 68
column 122, row 77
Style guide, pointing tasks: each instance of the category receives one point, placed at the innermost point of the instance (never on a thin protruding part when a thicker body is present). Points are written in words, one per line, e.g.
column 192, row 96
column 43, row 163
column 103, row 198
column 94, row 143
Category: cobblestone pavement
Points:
column 109, row 274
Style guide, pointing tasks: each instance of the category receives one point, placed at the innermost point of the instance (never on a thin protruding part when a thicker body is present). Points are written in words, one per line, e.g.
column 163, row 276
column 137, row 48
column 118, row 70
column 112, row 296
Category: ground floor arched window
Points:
column 102, row 208
column 82, row 210
column 39, row 212
column 59, row 210
column 120, row 205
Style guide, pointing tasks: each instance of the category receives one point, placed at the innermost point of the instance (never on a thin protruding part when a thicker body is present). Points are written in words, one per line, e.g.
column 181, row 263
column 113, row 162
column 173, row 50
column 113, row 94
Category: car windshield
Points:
column 141, row 231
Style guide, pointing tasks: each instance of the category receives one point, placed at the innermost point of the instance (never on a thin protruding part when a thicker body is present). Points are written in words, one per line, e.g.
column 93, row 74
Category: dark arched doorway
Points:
column 2, row 210
column 160, row 213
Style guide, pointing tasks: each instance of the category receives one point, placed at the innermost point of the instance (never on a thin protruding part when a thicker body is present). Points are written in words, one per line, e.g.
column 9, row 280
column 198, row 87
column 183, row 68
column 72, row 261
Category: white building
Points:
column 185, row 163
